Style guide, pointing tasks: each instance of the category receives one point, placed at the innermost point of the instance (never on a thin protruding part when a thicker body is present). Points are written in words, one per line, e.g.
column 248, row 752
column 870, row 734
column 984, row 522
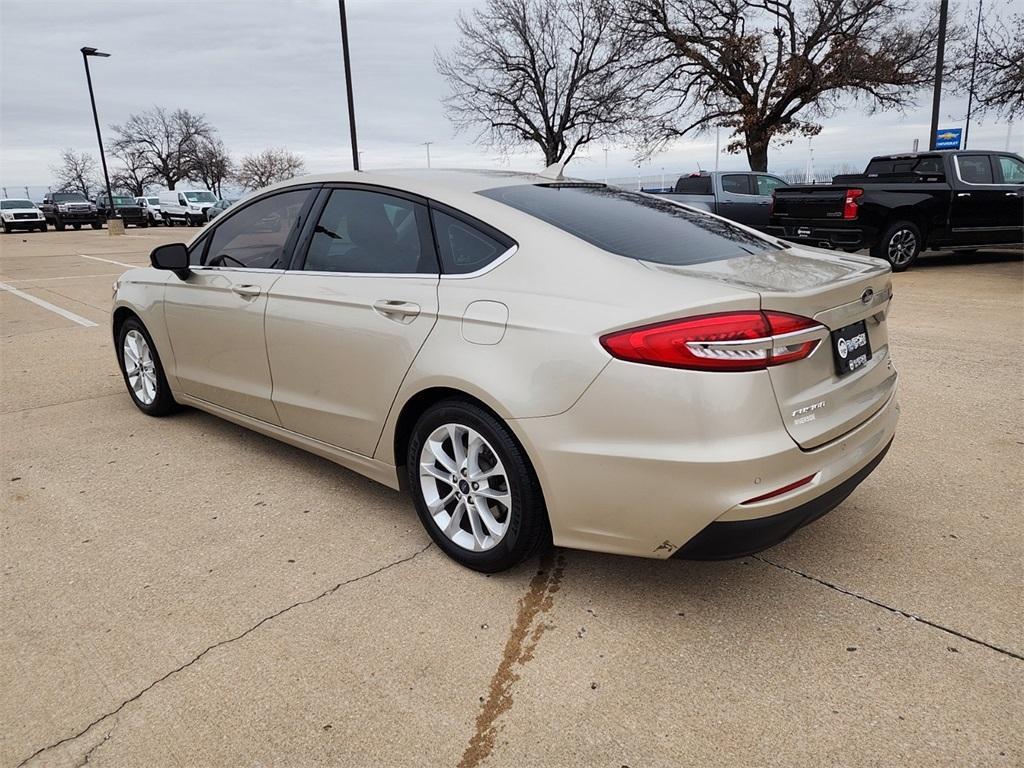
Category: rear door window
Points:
column 632, row 224
column 975, row 169
column 736, row 184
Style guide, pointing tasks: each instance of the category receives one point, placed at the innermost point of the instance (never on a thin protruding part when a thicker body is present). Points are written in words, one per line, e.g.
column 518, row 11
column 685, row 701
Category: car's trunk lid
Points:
column 817, row 403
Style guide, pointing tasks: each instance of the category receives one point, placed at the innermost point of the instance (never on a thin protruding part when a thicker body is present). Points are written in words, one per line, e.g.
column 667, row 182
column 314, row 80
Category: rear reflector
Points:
column 782, row 490
column 729, row 341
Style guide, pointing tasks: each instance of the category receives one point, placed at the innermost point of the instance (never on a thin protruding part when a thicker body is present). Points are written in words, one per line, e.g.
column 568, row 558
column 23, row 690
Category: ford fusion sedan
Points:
column 21, row 214
column 533, row 359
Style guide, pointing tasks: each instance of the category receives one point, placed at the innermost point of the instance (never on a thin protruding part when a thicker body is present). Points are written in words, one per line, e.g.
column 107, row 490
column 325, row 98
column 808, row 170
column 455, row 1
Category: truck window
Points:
column 693, row 185
column 930, row 166
column 767, row 184
column 974, row 169
column 736, row 184
column 1012, row 170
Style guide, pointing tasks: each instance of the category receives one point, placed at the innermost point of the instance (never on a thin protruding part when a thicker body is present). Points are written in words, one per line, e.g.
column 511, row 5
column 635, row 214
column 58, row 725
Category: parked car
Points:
column 125, row 207
column 21, row 214
column 187, row 206
column 531, row 357
column 738, row 195
column 70, row 208
column 902, row 204
column 151, row 208
column 217, row 208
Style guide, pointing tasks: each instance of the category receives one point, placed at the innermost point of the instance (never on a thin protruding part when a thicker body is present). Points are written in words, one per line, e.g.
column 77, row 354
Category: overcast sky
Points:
column 269, row 73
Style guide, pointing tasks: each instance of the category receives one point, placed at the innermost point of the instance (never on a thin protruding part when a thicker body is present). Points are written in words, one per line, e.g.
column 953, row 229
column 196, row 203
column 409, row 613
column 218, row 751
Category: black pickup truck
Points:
column 902, row 204
column 128, row 210
column 73, row 209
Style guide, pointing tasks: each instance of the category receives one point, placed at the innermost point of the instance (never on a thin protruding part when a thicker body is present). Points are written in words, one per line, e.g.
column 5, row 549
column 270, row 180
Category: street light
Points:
column 427, row 145
column 86, row 53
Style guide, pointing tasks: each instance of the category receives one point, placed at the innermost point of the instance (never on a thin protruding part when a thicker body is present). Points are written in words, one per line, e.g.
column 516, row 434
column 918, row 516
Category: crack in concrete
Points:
column 519, row 650
column 892, row 609
column 97, row 745
column 327, row 592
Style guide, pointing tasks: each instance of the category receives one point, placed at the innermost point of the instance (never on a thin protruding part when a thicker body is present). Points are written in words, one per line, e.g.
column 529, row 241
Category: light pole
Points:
column 606, row 165
column 939, row 54
column 974, row 70
column 348, row 85
column 86, row 53
column 427, row 145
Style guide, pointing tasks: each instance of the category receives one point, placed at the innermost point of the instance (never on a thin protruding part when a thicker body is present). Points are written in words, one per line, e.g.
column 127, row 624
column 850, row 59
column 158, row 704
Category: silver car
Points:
column 534, row 359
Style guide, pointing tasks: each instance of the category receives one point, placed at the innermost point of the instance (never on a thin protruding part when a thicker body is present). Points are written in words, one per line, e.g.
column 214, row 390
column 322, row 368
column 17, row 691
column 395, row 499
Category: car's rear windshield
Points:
column 118, row 200
column 69, row 197
column 632, row 224
column 16, row 204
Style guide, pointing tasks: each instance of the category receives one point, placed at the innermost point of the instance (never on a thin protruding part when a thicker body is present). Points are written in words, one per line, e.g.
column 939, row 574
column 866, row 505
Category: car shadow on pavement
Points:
column 949, row 259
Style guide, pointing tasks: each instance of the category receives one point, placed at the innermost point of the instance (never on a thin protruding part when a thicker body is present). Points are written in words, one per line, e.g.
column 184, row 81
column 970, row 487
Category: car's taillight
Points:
column 851, row 207
column 728, row 341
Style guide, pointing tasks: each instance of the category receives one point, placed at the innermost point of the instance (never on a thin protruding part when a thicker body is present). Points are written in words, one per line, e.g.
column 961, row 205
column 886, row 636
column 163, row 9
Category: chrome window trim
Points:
column 252, row 270
column 508, row 254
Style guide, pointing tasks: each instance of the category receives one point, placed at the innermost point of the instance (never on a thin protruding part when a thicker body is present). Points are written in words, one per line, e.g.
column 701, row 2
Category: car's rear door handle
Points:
column 394, row 309
column 1015, row 194
column 246, row 291
column 963, row 194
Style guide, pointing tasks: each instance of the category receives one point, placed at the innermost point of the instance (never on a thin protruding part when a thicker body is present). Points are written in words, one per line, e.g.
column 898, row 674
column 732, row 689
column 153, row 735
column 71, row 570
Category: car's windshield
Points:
column 153, row 200
column 121, row 200
column 632, row 224
column 200, row 197
column 16, row 204
column 69, row 197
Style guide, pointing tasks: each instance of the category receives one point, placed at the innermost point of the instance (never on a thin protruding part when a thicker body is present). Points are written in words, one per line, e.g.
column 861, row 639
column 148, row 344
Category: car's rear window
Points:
column 632, row 224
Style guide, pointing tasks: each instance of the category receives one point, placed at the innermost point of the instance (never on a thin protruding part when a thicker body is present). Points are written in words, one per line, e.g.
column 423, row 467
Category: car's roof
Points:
column 452, row 180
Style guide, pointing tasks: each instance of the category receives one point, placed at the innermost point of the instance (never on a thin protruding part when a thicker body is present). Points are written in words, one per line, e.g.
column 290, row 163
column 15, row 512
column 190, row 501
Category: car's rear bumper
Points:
column 727, row 539
column 823, row 236
column 649, row 457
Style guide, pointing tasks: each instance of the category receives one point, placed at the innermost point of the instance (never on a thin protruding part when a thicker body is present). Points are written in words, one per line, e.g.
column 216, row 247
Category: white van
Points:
column 187, row 206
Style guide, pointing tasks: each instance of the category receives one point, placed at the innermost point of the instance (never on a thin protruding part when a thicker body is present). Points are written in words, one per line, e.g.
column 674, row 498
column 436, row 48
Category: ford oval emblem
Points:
column 867, row 296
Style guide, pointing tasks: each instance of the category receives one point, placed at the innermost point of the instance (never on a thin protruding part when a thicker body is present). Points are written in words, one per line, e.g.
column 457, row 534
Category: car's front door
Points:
column 215, row 317
column 344, row 325
column 1010, row 173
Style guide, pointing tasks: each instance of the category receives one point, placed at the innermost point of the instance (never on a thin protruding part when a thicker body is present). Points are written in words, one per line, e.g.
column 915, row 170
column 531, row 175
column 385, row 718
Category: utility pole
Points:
column 427, row 145
column 718, row 134
column 974, row 68
column 939, row 54
column 348, row 84
column 606, row 165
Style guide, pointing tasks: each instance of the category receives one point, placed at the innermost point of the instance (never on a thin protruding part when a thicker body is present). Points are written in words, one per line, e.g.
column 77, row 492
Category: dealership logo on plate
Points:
column 841, row 346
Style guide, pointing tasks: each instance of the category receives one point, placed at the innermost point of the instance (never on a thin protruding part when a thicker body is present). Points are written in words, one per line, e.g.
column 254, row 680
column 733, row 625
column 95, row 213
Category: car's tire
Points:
column 77, row 227
column 7, row 229
column 58, row 225
column 514, row 505
column 95, row 225
column 168, row 221
column 900, row 245
column 142, row 371
column 43, row 227
column 143, row 224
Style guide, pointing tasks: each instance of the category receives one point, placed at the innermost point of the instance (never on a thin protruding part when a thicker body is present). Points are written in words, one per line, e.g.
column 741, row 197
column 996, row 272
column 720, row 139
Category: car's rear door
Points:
column 737, row 199
column 346, row 322
column 978, row 210
column 215, row 317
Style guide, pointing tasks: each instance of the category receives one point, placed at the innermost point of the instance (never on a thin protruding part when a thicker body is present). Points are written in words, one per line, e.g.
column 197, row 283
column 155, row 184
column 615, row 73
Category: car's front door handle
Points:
column 246, row 291
column 400, row 311
column 963, row 194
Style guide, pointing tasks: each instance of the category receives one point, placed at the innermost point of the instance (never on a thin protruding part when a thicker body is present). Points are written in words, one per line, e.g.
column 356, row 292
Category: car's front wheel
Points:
column 474, row 488
column 142, row 371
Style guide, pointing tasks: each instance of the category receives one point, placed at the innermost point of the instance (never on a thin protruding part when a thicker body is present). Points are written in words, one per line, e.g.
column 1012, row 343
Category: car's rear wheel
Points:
column 58, row 225
column 96, row 225
column 900, row 245
column 142, row 371
column 474, row 488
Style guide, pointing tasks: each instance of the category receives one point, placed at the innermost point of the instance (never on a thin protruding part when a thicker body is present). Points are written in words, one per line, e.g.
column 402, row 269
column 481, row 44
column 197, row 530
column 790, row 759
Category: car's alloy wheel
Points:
column 475, row 490
column 902, row 247
column 139, row 367
column 465, row 487
column 143, row 373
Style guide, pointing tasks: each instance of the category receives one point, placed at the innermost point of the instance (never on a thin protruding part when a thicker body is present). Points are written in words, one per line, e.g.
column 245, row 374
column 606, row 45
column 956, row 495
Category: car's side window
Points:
column 260, row 235
column 767, row 184
column 368, row 232
column 1012, row 170
column 975, row 169
column 736, row 184
column 462, row 247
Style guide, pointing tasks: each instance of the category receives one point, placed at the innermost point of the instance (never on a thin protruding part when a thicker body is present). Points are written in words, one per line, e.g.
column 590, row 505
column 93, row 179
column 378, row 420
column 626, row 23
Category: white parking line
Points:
column 47, row 305
column 111, row 261
column 62, row 277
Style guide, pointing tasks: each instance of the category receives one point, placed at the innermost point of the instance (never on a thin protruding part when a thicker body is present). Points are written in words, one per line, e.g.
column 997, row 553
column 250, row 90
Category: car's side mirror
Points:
column 173, row 257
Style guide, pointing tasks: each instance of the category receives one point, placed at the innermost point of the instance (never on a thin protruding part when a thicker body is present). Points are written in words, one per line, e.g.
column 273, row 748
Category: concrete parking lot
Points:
column 183, row 592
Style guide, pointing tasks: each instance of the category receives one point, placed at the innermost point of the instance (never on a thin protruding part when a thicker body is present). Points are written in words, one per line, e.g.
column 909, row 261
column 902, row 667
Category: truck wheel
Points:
column 188, row 220
column 95, row 225
column 7, row 229
column 77, row 227
column 900, row 245
column 58, row 225
column 142, row 224
column 168, row 221
column 42, row 227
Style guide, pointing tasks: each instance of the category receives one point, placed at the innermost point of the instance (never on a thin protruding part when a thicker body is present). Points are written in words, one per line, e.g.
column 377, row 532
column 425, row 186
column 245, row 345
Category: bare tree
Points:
column 999, row 79
column 770, row 69
column 268, row 167
column 135, row 174
column 76, row 173
column 212, row 165
column 547, row 72
column 167, row 141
